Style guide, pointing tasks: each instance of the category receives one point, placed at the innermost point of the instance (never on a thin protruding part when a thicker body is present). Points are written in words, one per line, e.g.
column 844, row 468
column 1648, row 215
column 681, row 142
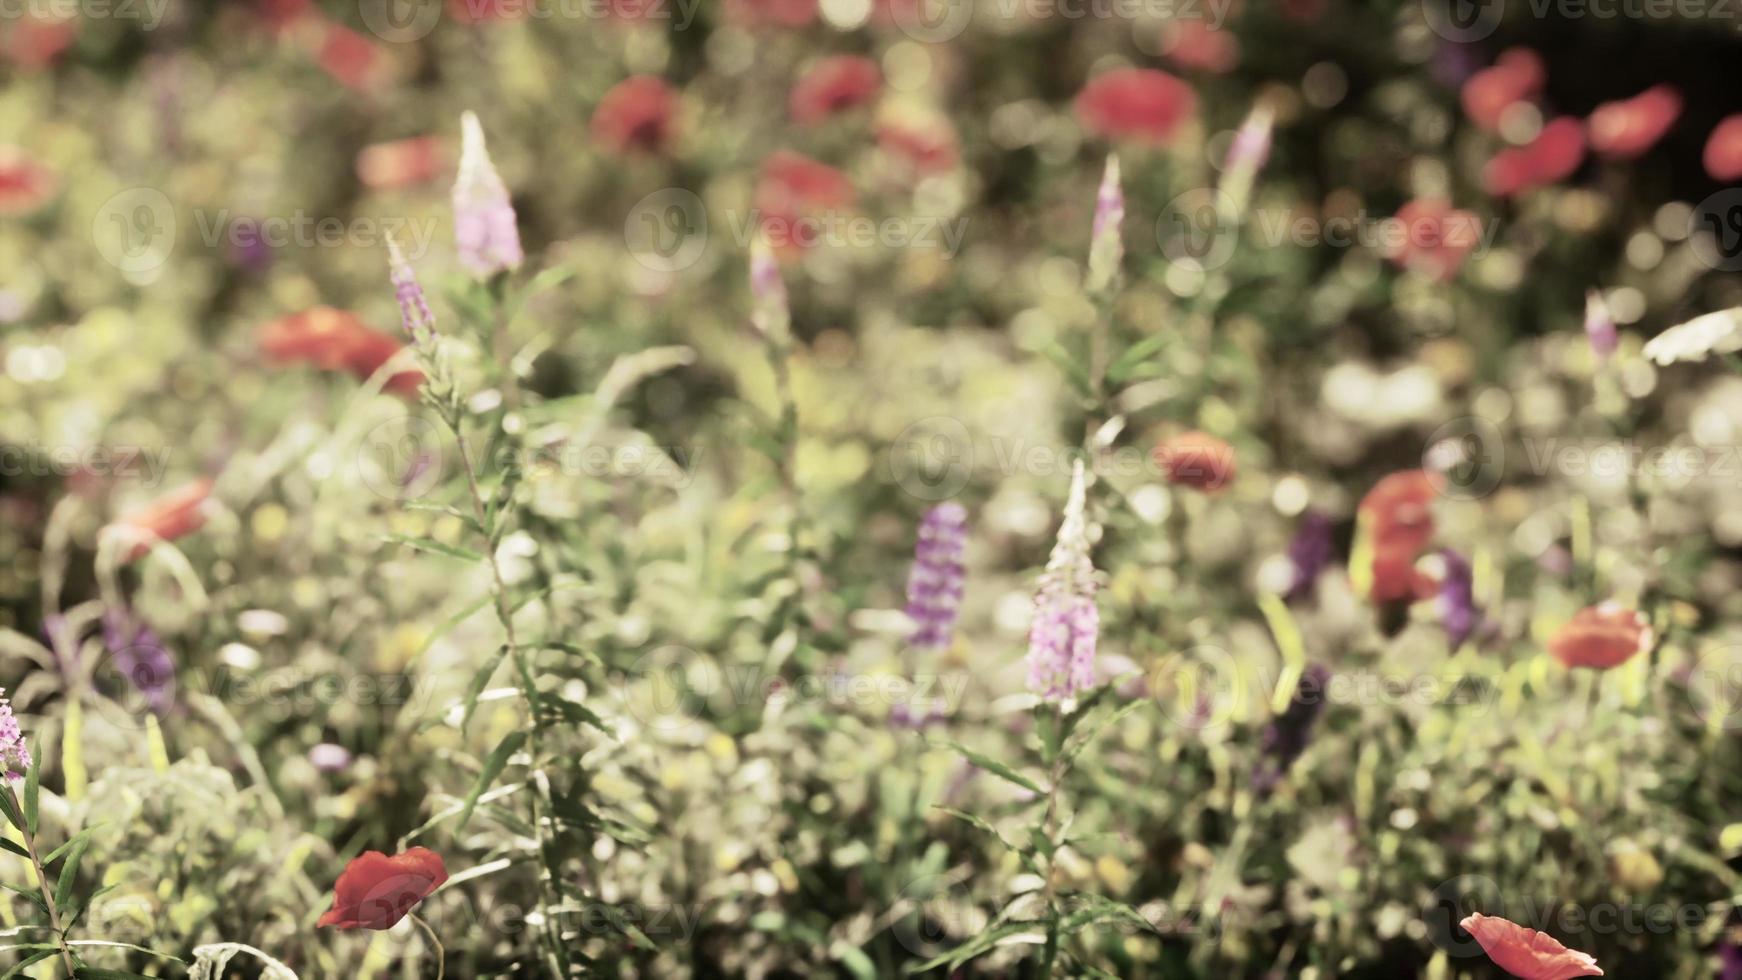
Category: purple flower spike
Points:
column 1289, row 733
column 1457, row 600
column 141, row 656
column 14, row 754
column 1600, row 326
column 484, row 223
column 1066, row 628
column 414, row 312
column 1310, row 551
column 935, row 585
column 1106, row 236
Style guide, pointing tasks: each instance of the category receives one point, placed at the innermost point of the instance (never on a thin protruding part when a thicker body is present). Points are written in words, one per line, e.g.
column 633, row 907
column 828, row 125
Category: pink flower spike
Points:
column 484, row 223
column 1599, row 325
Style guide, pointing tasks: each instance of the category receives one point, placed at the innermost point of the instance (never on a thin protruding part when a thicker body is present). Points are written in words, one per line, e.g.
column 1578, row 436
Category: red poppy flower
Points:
column 1556, row 152
column 1625, row 129
column 336, row 340
column 636, row 116
column 1526, row 953
column 1601, row 636
column 1399, row 509
column 1197, row 45
column 31, row 42
column 1436, row 237
column 834, row 85
column 772, row 13
column 793, row 186
column 1135, row 103
column 1723, row 156
column 350, row 57
column 174, row 515
column 1517, row 76
column 24, row 186
column 376, row 891
column 925, row 144
column 1197, row 460
column 1396, row 577
column 1397, row 517
column 400, row 163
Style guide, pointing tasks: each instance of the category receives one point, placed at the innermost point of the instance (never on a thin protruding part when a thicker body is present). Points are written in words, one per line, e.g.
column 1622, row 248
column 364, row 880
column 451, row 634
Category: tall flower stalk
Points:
column 1062, row 642
column 488, row 241
column 771, row 315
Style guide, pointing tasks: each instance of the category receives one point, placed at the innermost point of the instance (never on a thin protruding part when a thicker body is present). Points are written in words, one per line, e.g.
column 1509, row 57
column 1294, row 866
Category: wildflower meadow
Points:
column 1180, row 489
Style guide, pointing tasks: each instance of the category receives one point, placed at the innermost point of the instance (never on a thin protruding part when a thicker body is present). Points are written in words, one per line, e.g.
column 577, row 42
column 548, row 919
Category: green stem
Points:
column 441, row 953
column 42, row 886
column 505, row 614
column 1050, row 827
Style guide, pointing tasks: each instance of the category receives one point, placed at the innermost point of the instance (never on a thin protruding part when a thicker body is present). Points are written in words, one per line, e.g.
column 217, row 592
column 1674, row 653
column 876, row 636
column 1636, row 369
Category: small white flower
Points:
column 1699, row 338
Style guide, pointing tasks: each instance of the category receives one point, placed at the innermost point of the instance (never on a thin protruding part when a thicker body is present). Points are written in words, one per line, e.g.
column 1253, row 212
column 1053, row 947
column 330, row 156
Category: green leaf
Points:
column 7, row 844
column 137, row 949
column 35, row 897
column 1136, row 354
column 1089, row 734
column 529, row 687
column 84, row 905
column 548, row 279
column 480, row 680
column 572, row 648
column 27, row 962
column 993, row 766
column 446, row 626
column 854, row 960
column 1073, row 372
column 576, row 714
column 493, row 766
column 68, row 876
column 9, row 806
column 983, row 943
column 433, row 546
column 33, row 791
column 1091, row 909
column 976, row 822
column 55, row 854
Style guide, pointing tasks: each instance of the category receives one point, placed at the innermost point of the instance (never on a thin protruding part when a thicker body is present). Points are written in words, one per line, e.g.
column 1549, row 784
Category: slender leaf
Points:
column 493, row 767
column 994, row 767
column 33, row 792
column 433, row 546
column 480, row 680
column 68, row 876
